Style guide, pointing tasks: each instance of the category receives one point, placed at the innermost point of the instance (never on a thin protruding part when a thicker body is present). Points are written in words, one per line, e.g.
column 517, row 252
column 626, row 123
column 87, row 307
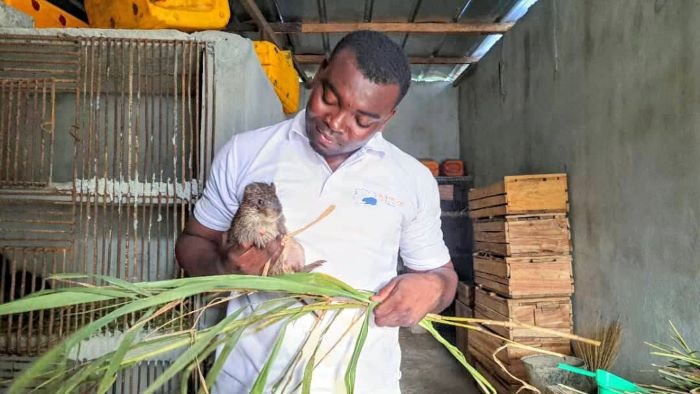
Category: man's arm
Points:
column 406, row 299
column 200, row 251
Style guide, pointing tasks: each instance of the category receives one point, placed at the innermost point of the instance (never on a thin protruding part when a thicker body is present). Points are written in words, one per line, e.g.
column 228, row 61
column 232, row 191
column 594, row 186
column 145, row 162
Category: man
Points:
column 333, row 153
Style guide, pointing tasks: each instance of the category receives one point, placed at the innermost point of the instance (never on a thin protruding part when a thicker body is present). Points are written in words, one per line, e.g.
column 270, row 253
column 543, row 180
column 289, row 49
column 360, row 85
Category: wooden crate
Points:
column 553, row 313
column 487, row 368
column 482, row 347
column 447, row 192
column 453, row 193
column 465, row 293
column 462, row 310
column 522, row 277
column 527, row 235
column 521, row 194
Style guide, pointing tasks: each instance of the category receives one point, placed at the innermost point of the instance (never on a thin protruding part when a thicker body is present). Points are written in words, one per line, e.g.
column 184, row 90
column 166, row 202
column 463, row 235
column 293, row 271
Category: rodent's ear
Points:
column 272, row 185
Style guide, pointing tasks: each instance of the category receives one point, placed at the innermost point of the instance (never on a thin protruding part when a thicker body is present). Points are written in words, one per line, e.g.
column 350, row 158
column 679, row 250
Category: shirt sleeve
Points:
column 217, row 205
column 422, row 246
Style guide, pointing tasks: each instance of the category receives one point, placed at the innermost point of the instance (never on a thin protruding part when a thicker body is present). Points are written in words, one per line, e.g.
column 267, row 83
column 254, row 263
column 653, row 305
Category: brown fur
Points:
column 259, row 220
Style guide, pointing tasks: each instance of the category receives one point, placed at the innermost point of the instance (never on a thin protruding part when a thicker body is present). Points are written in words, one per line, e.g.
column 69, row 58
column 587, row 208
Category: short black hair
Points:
column 379, row 59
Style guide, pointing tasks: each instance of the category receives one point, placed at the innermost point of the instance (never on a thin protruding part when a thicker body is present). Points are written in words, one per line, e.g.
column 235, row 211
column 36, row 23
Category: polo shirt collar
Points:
column 377, row 144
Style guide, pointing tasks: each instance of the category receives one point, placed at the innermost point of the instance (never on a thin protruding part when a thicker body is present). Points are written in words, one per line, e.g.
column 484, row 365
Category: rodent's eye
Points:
column 260, row 201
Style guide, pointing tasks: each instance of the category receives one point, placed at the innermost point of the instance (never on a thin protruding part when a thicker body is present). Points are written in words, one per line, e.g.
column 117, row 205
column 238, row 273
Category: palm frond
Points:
column 683, row 370
column 141, row 304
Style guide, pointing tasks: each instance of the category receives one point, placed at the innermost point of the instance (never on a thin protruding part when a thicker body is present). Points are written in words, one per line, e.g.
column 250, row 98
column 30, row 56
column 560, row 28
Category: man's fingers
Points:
column 274, row 248
column 384, row 292
column 247, row 261
column 385, row 313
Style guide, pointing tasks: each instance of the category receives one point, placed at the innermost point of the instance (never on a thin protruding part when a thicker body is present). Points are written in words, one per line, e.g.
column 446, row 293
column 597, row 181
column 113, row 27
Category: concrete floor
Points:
column 427, row 367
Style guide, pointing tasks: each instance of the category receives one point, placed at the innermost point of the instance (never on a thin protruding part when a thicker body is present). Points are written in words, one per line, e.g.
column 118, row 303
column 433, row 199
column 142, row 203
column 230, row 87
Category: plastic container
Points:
column 607, row 383
column 432, row 165
column 452, row 167
column 279, row 68
column 542, row 371
column 185, row 15
column 46, row 14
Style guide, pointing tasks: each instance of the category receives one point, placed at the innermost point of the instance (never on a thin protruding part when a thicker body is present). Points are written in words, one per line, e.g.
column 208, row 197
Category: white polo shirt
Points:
column 386, row 203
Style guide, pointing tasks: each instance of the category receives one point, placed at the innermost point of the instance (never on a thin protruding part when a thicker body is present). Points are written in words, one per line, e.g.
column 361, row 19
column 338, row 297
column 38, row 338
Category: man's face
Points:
column 345, row 109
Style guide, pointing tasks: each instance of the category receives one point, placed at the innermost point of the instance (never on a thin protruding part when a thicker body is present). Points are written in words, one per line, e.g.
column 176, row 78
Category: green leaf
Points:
column 261, row 381
column 117, row 356
column 230, row 344
column 311, row 364
column 483, row 383
column 56, row 299
column 199, row 343
column 352, row 366
column 124, row 285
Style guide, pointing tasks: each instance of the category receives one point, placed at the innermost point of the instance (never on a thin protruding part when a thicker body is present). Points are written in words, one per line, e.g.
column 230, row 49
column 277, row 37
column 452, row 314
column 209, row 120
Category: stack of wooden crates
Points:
column 522, row 270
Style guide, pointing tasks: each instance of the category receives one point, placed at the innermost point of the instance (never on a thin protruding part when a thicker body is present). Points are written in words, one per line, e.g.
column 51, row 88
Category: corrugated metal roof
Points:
column 415, row 44
column 434, row 45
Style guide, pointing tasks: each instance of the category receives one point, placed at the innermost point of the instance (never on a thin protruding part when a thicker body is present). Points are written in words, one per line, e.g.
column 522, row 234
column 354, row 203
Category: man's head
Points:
column 355, row 93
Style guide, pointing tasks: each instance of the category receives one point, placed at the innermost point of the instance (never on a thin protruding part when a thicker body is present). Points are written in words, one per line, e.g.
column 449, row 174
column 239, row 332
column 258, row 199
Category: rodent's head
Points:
column 263, row 198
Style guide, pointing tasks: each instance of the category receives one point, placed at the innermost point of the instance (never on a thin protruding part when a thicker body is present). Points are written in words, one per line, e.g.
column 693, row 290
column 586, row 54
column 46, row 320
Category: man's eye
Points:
column 362, row 123
column 327, row 97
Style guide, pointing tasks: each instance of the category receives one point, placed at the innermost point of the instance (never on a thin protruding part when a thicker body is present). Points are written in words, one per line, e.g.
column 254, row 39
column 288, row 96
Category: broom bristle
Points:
column 603, row 356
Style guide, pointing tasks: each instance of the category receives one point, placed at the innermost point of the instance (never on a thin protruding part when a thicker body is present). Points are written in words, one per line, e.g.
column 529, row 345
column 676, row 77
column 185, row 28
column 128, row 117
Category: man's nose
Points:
column 336, row 121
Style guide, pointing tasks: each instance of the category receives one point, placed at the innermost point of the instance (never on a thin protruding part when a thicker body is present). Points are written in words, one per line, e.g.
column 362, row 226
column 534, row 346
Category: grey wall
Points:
column 608, row 92
column 426, row 122
column 245, row 98
column 11, row 17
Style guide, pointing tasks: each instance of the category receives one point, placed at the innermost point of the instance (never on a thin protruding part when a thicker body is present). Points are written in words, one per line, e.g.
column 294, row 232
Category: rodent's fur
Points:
column 259, row 220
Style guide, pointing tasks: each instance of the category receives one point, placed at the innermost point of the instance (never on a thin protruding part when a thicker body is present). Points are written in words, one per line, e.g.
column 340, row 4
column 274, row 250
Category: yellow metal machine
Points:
column 46, row 14
column 280, row 71
column 185, row 15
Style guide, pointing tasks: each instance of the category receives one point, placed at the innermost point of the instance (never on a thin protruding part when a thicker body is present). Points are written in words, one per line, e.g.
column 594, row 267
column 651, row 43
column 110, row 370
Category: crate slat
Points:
column 484, row 345
column 492, row 372
column 522, row 277
column 551, row 312
column 520, row 195
column 461, row 335
column 524, row 236
column 465, row 293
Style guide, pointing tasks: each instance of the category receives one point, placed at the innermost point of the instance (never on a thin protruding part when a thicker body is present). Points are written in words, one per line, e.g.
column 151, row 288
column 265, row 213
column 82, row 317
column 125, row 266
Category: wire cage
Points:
column 105, row 144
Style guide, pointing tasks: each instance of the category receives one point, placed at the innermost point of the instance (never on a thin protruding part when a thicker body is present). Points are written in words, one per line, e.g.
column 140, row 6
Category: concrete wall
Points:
column 11, row 17
column 426, row 122
column 608, row 92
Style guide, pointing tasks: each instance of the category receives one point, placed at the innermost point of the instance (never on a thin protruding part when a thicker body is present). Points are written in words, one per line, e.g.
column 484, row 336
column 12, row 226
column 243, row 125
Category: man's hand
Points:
column 201, row 251
column 406, row 299
column 250, row 260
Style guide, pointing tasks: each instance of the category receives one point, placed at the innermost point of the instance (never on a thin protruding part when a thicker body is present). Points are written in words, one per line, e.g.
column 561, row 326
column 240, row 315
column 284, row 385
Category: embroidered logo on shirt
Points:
column 369, row 200
column 368, row 197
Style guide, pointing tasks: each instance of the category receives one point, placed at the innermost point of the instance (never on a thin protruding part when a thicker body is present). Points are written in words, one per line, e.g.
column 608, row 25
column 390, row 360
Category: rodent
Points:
column 259, row 220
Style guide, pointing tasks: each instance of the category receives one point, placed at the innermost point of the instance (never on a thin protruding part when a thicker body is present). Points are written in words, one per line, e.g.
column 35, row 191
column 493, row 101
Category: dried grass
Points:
column 605, row 355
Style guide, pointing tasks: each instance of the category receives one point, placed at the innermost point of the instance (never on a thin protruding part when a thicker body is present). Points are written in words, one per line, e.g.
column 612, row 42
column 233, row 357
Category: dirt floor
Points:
column 427, row 367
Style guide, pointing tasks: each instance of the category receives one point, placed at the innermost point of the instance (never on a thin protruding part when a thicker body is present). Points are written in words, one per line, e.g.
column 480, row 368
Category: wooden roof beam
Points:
column 317, row 59
column 423, row 27
column 269, row 34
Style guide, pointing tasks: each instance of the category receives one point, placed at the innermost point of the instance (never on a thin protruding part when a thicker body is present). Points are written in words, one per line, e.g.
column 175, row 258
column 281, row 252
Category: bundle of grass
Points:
column 683, row 370
column 144, row 305
column 603, row 356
